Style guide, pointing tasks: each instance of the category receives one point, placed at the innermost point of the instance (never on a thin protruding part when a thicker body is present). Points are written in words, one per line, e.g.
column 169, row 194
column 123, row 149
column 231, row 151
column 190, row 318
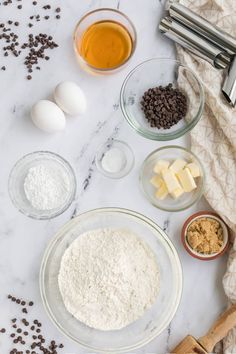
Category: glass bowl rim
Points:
column 159, row 136
column 134, row 41
column 73, row 187
column 200, row 192
column 145, row 220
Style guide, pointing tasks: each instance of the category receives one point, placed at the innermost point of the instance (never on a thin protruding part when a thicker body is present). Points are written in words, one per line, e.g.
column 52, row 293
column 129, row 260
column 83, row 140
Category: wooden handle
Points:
column 219, row 330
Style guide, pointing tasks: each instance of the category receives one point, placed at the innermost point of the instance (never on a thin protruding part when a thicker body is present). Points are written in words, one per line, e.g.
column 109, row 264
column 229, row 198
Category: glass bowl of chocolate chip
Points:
column 162, row 99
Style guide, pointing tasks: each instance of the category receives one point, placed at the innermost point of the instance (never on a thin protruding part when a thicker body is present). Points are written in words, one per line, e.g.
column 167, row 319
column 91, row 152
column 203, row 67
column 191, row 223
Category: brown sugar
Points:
column 205, row 235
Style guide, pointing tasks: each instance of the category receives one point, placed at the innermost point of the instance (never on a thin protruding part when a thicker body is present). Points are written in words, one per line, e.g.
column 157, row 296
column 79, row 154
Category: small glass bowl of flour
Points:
column 115, row 159
column 42, row 185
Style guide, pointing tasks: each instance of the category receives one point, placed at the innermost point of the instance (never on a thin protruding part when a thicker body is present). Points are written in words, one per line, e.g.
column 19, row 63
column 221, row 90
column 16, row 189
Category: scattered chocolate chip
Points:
column 34, row 343
column 35, row 47
column 58, row 17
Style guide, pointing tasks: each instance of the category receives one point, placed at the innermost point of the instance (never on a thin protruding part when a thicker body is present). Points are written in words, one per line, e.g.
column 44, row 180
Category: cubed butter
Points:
column 161, row 165
column 170, row 180
column 156, row 181
column 162, row 192
column 177, row 193
column 194, row 169
column 186, row 180
column 178, row 165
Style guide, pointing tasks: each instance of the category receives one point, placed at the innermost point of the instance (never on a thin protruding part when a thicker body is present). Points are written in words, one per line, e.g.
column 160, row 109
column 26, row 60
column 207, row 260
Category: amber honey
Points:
column 105, row 45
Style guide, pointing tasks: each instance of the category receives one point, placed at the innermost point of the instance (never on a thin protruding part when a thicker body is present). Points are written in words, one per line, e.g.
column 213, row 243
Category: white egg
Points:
column 70, row 98
column 48, row 117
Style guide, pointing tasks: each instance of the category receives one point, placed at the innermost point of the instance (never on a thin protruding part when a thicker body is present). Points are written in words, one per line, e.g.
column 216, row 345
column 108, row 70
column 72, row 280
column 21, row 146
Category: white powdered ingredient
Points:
column 108, row 278
column 46, row 187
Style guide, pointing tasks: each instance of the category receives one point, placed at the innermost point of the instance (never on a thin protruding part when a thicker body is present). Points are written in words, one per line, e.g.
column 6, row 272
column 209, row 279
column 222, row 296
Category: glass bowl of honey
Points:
column 104, row 40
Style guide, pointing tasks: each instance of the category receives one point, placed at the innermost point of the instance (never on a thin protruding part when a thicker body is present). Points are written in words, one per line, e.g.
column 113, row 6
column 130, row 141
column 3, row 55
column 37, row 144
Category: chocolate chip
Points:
column 164, row 107
column 31, row 303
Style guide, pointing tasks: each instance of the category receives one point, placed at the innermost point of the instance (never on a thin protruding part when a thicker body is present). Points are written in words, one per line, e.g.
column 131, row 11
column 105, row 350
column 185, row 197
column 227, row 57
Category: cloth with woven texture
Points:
column 214, row 137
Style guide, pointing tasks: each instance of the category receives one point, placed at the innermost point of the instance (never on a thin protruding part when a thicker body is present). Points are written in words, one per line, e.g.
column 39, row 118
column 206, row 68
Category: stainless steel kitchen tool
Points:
column 198, row 45
column 229, row 85
column 205, row 40
column 203, row 27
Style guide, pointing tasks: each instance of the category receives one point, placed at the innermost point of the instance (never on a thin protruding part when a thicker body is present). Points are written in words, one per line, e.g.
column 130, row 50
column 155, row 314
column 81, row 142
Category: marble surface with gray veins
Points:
column 23, row 240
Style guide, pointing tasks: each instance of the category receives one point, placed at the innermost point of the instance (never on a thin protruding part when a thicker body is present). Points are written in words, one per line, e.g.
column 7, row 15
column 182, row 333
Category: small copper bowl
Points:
column 189, row 249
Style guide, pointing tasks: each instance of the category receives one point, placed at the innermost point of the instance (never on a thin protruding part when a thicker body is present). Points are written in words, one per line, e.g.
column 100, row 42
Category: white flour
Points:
column 108, row 278
column 46, row 187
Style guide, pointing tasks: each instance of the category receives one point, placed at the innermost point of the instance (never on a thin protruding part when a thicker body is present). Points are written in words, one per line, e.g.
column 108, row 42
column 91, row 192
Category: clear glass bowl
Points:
column 128, row 155
column 141, row 331
column 153, row 73
column 19, row 173
column 103, row 14
column 170, row 153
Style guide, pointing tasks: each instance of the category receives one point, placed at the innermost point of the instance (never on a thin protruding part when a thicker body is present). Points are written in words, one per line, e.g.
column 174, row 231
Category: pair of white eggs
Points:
column 49, row 116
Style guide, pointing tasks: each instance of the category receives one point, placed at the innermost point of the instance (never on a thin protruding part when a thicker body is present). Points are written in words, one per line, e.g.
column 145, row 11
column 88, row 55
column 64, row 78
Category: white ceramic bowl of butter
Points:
column 172, row 178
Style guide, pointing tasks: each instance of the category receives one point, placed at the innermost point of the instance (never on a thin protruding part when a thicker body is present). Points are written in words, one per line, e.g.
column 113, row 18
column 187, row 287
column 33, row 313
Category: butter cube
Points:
column 186, row 180
column 194, row 169
column 177, row 193
column 170, row 180
column 162, row 192
column 156, row 181
column 161, row 165
column 178, row 165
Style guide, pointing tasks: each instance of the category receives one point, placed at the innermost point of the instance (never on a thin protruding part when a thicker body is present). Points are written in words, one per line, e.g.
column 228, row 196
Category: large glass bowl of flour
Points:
column 153, row 321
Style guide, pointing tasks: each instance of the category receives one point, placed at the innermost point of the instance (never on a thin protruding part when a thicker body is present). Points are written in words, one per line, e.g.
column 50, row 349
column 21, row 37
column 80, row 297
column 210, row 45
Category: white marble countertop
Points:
column 23, row 240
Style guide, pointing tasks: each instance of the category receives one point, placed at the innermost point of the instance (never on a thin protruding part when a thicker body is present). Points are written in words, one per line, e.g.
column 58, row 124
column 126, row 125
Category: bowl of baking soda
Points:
column 114, row 159
column 42, row 185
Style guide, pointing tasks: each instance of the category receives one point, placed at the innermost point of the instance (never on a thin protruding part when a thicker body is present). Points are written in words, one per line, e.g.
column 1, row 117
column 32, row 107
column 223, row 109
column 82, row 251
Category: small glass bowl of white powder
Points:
column 42, row 185
column 115, row 159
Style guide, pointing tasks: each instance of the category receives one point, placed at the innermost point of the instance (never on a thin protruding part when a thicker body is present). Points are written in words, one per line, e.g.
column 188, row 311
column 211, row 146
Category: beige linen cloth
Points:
column 214, row 137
